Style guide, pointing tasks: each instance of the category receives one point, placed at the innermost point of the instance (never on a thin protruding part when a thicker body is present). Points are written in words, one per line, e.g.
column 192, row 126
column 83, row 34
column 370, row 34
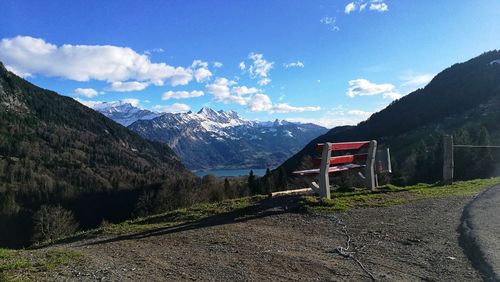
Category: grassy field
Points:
column 390, row 195
column 20, row 265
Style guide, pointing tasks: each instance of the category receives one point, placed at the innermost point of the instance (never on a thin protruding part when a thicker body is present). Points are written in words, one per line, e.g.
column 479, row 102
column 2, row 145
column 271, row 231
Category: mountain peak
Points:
column 220, row 116
column 124, row 112
column 208, row 113
column 118, row 106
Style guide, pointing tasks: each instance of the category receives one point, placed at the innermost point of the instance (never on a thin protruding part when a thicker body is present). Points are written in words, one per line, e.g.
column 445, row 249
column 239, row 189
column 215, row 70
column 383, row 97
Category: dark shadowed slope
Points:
column 53, row 150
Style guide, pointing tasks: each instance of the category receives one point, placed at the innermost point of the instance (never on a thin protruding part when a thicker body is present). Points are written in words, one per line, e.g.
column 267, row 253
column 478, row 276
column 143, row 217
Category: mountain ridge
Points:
column 210, row 139
column 124, row 113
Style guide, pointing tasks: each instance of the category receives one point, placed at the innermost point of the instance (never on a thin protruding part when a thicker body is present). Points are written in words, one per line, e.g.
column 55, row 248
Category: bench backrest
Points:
column 327, row 159
column 359, row 157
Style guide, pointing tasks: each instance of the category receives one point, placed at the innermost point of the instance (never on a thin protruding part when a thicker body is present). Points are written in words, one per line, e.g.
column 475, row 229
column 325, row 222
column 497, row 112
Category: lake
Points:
column 231, row 172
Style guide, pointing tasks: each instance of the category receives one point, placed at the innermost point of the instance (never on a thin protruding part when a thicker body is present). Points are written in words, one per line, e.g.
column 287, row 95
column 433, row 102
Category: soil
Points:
column 415, row 241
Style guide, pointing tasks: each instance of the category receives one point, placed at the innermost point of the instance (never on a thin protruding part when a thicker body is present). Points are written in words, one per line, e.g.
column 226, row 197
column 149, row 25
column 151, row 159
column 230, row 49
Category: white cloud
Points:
column 218, row 65
column 337, row 116
column 155, row 50
column 360, row 113
column 297, row 64
column 221, row 91
column 220, row 87
column 264, row 81
column 260, row 103
column 200, row 71
column 243, row 90
column 330, row 22
column 28, row 56
column 132, row 101
column 181, row 94
column 374, row 5
column 417, row 80
column 119, row 86
column 225, row 91
column 259, row 68
column 363, row 87
column 86, row 92
column 380, row 7
column 285, row 108
column 174, row 108
column 392, row 95
column 199, row 64
column 202, row 74
column 350, row 8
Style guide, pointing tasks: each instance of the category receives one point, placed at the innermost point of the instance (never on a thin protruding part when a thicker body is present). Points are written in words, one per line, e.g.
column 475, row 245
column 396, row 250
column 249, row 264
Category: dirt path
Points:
column 416, row 241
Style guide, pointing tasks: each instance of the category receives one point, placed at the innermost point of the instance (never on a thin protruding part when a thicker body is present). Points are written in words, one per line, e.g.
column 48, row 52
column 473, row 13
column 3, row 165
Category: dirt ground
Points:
column 416, row 241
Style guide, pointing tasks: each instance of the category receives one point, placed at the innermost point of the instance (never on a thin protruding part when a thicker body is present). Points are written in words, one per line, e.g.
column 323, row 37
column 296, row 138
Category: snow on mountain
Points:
column 223, row 139
column 124, row 113
column 216, row 139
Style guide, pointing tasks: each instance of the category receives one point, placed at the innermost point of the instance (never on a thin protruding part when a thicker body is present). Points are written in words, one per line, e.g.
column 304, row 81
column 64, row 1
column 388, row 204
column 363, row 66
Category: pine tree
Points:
column 251, row 183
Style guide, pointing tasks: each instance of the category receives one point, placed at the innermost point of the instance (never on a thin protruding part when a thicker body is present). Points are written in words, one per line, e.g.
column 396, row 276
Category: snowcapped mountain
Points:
column 124, row 113
column 211, row 139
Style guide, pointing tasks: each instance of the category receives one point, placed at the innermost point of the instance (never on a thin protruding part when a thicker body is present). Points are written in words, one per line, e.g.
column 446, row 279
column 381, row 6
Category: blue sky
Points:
column 329, row 62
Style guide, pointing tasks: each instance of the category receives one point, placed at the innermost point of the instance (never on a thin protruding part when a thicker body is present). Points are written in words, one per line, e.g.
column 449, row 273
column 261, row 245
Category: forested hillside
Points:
column 55, row 151
column 463, row 100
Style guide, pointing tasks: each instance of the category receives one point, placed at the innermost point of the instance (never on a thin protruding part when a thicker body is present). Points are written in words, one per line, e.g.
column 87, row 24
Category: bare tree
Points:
column 52, row 222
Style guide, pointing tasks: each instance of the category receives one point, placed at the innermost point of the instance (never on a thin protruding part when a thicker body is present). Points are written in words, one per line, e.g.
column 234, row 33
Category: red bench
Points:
column 330, row 162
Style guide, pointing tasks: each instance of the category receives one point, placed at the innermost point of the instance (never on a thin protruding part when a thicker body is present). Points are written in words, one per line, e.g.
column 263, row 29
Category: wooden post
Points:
column 324, row 179
column 448, row 163
column 370, row 182
column 389, row 166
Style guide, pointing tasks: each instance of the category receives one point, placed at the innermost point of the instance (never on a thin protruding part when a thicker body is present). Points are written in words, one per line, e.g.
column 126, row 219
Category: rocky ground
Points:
column 414, row 241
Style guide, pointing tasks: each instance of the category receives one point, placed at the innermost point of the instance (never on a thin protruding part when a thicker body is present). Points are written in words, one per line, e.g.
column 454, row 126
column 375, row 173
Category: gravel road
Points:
column 416, row 241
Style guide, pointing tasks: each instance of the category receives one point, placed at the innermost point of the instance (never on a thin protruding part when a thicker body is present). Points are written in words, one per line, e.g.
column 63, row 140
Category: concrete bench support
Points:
column 370, row 178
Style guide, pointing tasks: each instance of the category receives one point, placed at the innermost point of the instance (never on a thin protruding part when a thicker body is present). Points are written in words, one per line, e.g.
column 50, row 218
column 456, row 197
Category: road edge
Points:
column 470, row 245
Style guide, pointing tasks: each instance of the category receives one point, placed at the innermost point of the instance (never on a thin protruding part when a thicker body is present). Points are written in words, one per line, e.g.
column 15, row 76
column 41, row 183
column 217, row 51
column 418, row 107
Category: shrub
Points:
column 52, row 222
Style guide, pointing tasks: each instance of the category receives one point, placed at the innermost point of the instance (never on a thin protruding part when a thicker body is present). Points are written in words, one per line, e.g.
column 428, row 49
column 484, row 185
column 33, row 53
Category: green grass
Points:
column 9, row 260
column 390, row 195
column 17, row 265
column 55, row 258
column 179, row 216
column 164, row 220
